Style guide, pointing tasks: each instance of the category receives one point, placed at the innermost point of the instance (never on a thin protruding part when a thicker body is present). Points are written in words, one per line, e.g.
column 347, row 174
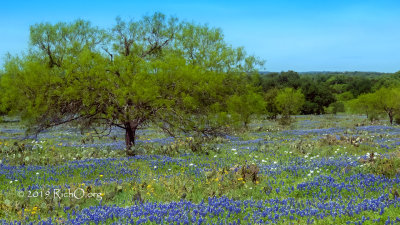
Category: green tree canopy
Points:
column 241, row 107
column 362, row 104
column 180, row 76
column 269, row 97
column 289, row 101
column 385, row 100
column 317, row 96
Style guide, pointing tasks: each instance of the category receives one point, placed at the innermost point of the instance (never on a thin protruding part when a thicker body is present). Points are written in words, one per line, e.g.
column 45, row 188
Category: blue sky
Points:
column 290, row 35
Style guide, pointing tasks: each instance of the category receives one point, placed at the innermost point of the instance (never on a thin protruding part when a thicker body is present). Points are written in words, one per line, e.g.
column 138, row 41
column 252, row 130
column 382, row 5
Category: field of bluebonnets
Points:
column 319, row 170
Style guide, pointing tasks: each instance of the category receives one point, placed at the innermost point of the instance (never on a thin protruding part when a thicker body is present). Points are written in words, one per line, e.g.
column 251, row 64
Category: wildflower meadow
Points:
column 319, row 170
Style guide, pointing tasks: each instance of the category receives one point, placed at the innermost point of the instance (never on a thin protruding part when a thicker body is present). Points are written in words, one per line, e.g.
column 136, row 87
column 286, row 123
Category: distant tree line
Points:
column 328, row 92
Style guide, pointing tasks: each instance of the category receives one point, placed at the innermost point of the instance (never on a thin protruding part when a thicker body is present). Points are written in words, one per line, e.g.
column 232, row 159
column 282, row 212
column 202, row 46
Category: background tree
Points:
column 345, row 96
column 359, row 86
column 317, row 96
column 269, row 97
column 317, row 92
column 139, row 72
column 336, row 107
column 289, row 79
column 289, row 102
column 387, row 100
column 363, row 104
column 242, row 107
column 387, row 81
column 281, row 80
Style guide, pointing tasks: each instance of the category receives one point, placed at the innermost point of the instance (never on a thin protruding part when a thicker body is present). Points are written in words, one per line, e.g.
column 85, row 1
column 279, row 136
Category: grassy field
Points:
column 320, row 170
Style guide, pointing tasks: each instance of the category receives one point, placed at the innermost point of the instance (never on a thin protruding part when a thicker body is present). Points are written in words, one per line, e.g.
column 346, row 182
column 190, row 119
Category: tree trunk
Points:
column 130, row 133
column 390, row 113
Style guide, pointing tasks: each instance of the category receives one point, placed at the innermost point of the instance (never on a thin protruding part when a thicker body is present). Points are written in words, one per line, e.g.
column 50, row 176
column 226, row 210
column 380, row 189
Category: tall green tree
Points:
column 384, row 100
column 289, row 101
column 387, row 100
column 270, row 106
column 180, row 76
column 360, row 85
column 242, row 107
column 317, row 96
column 363, row 104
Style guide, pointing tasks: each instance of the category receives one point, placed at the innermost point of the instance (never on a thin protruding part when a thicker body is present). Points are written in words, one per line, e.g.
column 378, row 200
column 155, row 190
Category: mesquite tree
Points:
column 157, row 70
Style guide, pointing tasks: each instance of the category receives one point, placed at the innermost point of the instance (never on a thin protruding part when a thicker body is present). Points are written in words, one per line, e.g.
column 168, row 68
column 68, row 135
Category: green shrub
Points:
column 336, row 107
column 397, row 119
column 388, row 167
column 373, row 117
column 285, row 120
